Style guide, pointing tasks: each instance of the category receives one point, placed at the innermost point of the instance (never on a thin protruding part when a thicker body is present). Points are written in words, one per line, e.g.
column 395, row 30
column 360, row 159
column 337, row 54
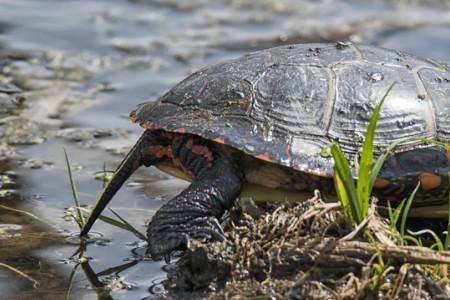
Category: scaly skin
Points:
column 195, row 212
column 133, row 160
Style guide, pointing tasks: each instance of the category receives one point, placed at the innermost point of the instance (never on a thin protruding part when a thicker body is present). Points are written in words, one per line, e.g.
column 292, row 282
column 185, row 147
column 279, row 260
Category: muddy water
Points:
column 83, row 65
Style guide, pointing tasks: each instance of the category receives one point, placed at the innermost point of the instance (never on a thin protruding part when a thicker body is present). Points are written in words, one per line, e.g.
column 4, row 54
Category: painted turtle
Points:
column 265, row 117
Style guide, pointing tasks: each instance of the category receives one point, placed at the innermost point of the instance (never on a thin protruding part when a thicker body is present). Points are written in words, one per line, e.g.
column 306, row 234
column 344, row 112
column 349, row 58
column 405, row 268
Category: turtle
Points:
column 262, row 120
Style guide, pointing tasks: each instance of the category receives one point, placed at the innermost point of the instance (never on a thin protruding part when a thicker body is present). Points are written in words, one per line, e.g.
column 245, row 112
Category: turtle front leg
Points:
column 194, row 213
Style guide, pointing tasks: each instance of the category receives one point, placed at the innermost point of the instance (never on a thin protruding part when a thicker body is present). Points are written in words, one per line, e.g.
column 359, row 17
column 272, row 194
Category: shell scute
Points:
column 292, row 101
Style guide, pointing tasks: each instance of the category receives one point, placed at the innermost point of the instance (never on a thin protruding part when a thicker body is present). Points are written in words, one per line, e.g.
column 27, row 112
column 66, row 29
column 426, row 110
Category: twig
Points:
column 21, row 274
column 404, row 269
column 333, row 253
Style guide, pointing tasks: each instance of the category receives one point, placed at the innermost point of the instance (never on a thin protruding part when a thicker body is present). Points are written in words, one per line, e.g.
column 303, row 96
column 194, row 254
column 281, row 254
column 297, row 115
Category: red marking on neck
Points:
column 200, row 150
column 166, row 151
column 159, row 151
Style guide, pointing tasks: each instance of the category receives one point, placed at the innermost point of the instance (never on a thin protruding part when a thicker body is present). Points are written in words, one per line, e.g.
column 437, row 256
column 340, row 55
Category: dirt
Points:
column 305, row 251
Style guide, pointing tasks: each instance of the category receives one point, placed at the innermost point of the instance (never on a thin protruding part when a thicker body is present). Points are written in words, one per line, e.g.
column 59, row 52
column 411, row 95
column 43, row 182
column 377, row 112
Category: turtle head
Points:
column 132, row 161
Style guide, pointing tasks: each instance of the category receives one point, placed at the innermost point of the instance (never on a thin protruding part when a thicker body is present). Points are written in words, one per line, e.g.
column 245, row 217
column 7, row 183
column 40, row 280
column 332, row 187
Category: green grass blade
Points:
column 21, row 274
column 19, row 211
column 437, row 241
column 382, row 158
column 398, row 211
column 395, row 215
column 391, row 215
column 447, row 236
column 365, row 163
column 344, row 178
column 71, row 280
column 109, row 220
column 114, row 222
column 129, row 227
column 343, row 196
column 80, row 220
column 117, row 269
column 406, row 210
column 412, row 239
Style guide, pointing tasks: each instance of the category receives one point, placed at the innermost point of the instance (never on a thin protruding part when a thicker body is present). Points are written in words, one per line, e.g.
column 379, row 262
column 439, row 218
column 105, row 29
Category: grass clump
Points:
column 299, row 251
column 355, row 194
column 355, row 198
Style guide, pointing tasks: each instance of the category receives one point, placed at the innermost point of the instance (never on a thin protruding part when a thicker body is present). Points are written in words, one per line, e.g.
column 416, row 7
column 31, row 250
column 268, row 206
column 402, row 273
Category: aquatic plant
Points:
column 76, row 212
column 355, row 198
column 79, row 218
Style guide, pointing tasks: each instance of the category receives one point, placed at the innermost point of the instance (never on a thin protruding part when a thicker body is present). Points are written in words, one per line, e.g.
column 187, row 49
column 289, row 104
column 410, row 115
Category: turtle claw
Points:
column 164, row 239
column 161, row 244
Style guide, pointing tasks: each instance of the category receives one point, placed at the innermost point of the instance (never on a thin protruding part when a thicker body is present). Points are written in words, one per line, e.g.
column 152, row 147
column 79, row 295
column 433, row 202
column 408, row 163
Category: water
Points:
column 88, row 63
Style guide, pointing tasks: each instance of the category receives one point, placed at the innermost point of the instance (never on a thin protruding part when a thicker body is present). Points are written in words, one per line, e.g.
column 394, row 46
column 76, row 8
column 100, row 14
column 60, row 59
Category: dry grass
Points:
column 310, row 251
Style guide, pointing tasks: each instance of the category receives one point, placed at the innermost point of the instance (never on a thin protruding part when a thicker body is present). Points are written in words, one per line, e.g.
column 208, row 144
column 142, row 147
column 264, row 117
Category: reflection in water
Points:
column 102, row 282
column 91, row 238
column 157, row 287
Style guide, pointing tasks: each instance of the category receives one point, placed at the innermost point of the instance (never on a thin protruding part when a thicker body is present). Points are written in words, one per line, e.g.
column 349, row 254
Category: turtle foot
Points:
column 165, row 236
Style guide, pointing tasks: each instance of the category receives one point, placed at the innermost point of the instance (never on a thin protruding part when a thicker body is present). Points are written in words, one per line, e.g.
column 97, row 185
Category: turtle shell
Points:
column 286, row 104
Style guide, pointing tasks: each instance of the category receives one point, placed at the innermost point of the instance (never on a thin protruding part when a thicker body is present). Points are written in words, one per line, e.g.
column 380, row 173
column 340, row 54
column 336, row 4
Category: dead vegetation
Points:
column 309, row 251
